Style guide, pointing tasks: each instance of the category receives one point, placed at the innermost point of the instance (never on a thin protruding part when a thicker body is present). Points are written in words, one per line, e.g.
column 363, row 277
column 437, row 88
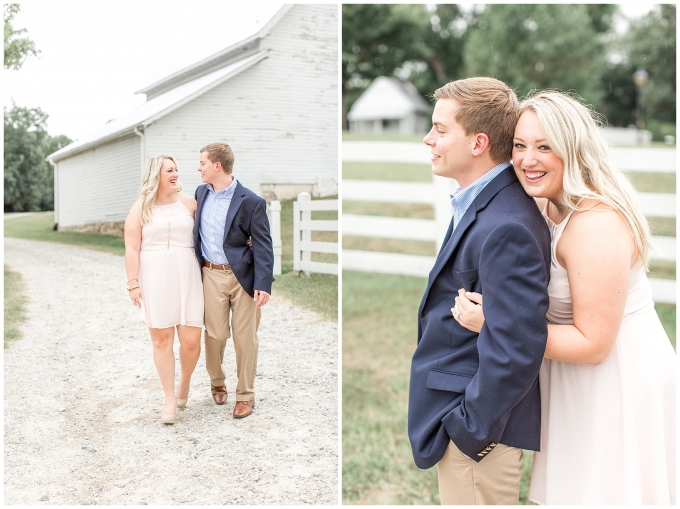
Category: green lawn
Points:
column 318, row 292
column 38, row 226
column 15, row 304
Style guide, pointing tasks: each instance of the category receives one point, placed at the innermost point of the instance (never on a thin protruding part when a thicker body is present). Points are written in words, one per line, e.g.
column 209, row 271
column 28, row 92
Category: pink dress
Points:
column 608, row 431
column 169, row 275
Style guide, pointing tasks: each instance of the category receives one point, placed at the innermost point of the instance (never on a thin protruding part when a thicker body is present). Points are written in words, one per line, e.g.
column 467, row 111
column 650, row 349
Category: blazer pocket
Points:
column 445, row 381
column 465, row 278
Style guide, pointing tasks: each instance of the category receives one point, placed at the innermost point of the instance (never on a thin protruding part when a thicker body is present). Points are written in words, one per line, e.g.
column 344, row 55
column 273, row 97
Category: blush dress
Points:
column 608, row 431
column 169, row 275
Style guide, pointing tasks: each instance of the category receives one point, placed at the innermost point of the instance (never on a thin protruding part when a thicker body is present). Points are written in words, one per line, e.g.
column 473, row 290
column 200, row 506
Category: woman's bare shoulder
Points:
column 594, row 223
column 189, row 202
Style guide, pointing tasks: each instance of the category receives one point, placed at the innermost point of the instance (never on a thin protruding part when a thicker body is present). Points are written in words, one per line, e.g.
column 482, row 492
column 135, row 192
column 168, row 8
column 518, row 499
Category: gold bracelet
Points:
column 133, row 279
column 132, row 288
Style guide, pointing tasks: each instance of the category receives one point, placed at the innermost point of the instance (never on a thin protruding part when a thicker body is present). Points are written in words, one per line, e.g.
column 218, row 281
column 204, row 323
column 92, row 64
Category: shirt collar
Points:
column 224, row 192
column 460, row 194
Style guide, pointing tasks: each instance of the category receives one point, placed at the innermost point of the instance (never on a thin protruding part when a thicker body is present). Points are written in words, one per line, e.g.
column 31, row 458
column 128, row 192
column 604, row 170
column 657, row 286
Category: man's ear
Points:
column 481, row 144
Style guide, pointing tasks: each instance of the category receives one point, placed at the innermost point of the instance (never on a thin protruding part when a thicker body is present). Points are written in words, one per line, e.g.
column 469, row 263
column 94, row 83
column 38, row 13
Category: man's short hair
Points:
column 220, row 152
column 488, row 106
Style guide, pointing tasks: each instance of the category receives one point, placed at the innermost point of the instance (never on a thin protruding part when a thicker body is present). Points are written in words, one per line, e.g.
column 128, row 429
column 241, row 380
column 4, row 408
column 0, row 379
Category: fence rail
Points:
column 436, row 194
column 303, row 225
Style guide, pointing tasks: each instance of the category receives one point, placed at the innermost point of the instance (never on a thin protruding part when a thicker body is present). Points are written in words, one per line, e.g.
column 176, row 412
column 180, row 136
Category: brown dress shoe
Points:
column 219, row 394
column 243, row 409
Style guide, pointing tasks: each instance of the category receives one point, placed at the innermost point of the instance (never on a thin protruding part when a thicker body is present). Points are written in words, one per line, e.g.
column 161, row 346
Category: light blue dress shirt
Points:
column 461, row 199
column 213, row 219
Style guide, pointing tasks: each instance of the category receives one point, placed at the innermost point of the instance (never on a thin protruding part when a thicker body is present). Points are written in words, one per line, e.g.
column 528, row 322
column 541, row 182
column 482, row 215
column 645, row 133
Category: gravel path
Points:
column 83, row 401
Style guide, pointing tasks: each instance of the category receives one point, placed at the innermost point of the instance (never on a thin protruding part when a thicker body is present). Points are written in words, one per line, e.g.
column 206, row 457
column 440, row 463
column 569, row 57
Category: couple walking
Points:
column 565, row 354
column 192, row 261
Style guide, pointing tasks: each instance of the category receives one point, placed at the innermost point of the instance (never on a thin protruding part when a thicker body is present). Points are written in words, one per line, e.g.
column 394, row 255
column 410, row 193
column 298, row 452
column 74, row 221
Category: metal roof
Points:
column 158, row 106
column 388, row 98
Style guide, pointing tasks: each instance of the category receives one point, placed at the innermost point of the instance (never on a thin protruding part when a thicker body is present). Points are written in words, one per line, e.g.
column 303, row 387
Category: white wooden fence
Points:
column 437, row 194
column 303, row 226
column 274, row 214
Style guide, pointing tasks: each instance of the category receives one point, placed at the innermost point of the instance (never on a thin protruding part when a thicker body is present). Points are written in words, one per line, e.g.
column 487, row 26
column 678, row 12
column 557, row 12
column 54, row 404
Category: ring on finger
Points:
column 456, row 315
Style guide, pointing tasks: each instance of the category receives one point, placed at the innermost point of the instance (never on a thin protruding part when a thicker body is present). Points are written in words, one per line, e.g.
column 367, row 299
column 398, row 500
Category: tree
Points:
column 29, row 179
column 538, row 46
column 412, row 42
column 651, row 44
column 376, row 39
column 17, row 48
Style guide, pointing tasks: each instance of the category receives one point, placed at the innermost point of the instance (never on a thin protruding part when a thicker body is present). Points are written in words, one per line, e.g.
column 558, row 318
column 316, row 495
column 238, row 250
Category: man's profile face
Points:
column 207, row 169
column 450, row 147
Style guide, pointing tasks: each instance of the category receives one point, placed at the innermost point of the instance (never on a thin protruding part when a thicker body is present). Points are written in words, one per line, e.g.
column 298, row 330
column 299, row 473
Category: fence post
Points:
column 305, row 234
column 275, row 223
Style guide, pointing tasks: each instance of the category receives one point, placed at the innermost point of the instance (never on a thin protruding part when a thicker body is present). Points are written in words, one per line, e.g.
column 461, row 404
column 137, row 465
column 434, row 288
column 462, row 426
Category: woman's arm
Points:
column 597, row 251
column 133, row 242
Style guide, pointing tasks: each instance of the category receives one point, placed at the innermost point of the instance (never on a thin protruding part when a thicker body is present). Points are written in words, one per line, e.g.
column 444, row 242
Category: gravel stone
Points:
column 83, row 401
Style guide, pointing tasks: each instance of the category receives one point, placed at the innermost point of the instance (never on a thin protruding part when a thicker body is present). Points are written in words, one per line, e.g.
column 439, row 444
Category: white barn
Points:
column 389, row 105
column 273, row 97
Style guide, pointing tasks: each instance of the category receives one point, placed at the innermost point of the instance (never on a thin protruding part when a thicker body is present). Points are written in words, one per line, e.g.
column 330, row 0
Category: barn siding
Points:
column 280, row 116
column 99, row 185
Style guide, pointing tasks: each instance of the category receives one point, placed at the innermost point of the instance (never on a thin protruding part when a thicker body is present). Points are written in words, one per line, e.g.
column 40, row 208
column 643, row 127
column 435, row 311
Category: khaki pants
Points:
column 223, row 293
column 492, row 481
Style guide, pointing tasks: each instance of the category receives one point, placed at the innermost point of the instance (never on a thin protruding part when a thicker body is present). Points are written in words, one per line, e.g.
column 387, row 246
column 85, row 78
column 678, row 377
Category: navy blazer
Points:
column 479, row 390
column 246, row 217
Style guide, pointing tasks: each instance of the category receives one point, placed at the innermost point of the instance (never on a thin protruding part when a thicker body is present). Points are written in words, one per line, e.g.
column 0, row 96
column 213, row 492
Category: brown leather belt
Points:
column 216, row 266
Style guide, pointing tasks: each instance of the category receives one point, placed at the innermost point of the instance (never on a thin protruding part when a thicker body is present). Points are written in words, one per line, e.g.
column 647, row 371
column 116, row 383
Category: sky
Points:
column 99, row 53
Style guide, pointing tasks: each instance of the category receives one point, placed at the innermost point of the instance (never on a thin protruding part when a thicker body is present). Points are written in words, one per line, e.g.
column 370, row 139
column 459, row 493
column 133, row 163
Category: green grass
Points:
column 352, row 136
column 15, row 305
column 38, row 226
column 318, row 292
column 404, row 172
column 379, row 335
column 663, row 226
column 653, row 182
column 667, row 314
column 412, row 247
column 388, row 209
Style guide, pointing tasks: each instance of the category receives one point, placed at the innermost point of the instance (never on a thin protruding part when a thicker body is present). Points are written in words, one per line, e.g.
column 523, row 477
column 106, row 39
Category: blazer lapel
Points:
column 236, row 200
column 504, row 179
column 200, row 199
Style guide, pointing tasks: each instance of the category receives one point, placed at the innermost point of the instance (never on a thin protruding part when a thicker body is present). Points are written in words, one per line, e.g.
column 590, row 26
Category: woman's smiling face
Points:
column 538, row 168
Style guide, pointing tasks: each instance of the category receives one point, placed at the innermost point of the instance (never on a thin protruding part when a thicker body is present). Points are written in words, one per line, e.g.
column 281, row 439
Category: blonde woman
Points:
column 164, row 279
column 608, row 377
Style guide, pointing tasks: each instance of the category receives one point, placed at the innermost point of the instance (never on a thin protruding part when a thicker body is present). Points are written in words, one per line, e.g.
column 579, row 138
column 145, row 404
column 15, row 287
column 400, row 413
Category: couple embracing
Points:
column 206, row 260
column 552, row 344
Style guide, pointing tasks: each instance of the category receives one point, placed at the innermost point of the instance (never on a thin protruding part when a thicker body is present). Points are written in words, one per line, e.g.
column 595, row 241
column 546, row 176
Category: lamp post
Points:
column 640, row 77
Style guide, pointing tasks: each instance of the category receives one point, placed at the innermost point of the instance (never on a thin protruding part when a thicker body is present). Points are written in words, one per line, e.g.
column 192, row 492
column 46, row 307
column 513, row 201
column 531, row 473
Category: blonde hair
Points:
column 572, row 131
column 487, row 106
column 149, row 187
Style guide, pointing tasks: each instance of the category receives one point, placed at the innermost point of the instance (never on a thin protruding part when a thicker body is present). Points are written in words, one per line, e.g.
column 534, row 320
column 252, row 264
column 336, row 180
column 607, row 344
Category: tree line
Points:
column 29, row 178
column 533, row 46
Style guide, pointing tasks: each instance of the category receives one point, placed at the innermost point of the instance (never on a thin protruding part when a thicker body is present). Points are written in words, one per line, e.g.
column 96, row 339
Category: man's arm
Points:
column 263, row 253
column 514, row 281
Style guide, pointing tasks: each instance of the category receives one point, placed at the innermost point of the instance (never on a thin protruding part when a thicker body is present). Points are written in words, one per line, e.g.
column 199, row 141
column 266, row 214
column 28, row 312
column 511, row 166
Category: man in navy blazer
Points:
column 237, row 277
column 474, row 400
